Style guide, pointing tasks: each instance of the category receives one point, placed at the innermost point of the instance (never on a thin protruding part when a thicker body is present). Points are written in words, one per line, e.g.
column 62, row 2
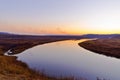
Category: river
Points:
column 67, row 58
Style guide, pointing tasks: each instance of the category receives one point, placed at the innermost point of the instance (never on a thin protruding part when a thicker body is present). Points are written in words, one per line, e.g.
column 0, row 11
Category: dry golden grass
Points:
column 109, row 47
column 9, row 66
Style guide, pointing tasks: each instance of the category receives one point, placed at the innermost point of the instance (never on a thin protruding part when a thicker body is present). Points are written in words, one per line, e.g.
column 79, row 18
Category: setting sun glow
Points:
column 69, row 17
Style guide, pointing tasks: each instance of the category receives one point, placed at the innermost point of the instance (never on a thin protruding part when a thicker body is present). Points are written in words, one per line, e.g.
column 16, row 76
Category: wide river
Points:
column 67, row 58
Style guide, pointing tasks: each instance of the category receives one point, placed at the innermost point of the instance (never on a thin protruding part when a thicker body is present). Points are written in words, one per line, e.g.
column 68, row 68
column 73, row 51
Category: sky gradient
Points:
column 60, row 16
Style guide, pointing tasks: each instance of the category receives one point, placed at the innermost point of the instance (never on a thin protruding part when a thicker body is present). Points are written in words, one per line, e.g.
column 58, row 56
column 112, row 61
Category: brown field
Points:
column 108, row 47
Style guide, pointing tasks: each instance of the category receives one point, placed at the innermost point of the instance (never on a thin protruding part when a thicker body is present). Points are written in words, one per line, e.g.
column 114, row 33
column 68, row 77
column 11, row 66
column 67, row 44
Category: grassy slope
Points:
column 109, row 47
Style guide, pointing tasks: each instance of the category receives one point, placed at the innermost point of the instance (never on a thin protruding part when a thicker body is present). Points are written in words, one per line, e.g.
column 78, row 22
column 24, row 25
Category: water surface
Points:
column 67, row 58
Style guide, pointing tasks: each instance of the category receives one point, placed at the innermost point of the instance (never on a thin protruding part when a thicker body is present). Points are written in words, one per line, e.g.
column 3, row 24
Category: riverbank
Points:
column 108, row 47
column 18, row 45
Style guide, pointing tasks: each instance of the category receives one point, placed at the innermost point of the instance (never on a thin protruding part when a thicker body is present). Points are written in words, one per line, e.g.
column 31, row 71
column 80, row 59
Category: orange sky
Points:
column 72, row 17
column 67, row 29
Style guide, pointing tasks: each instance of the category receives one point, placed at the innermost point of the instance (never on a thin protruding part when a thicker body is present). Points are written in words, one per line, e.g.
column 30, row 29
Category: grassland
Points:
column 108, row 47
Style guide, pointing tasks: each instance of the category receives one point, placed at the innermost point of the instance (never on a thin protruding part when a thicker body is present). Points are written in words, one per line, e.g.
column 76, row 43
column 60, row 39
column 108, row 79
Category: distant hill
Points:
column 4, row 33
column 101, row 36
column 10, row 35
column 117, row 36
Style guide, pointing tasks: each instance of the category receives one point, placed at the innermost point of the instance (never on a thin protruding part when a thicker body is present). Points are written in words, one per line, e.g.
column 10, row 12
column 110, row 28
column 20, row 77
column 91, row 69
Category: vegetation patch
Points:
column 108, row 47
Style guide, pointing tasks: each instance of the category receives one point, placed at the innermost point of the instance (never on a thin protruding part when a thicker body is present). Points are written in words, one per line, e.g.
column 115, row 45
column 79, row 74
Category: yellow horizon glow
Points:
column 65, row 29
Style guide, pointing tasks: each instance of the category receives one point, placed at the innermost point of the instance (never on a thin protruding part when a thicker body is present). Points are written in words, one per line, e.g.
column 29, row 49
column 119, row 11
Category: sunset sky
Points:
column 60, row 16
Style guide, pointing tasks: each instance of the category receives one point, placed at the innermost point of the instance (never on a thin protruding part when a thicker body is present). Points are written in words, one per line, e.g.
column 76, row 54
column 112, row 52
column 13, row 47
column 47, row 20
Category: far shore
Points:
column 108, row 47
column 19, row 44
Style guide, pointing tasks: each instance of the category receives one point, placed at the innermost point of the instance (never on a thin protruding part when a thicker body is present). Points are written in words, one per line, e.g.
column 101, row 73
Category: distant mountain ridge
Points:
column 7, row 35
column 10, row 35
column 102, row 36
column 4, row 33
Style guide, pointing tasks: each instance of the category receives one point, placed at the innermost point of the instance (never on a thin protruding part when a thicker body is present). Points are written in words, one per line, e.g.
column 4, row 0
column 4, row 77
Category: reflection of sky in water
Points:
column 67, row 58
